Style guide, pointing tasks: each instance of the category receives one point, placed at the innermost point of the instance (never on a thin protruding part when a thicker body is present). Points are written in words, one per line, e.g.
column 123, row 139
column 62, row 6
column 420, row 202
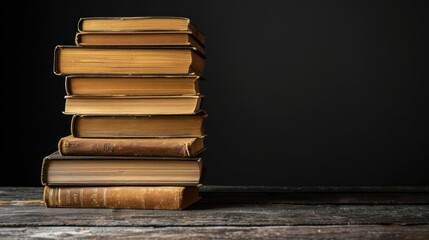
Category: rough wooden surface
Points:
column 315, row 189
column 231, row 212
column 286, row 195
column 272, row 232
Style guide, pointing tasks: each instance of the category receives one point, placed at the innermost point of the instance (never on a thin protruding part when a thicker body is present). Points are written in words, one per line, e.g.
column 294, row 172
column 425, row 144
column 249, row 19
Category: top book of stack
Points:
column 133, row 46
column 140, row 24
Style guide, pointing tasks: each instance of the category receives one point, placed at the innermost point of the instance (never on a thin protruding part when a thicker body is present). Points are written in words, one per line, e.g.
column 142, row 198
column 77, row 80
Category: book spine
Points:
column 122, row 147
column 56, row 69
column 43, row 171
column 198, row 34
column 77, row 38
column 197, row 64
column 154, row 198
column 67, row 85
column 198, row 105
column 73, row 125
column 79, row 24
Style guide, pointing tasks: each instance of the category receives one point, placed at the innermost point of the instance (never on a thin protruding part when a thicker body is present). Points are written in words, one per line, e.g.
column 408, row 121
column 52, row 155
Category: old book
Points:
column 132, row 197
column 70, row 60
column 58, row 170
column 107, row 126
column 139, row 24
column 132, row 104
column 108, row 85
column 138, row 147
column 149, row 38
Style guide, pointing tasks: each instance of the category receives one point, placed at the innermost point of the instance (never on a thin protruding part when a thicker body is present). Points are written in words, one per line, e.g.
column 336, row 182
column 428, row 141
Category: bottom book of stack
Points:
column 121, row 182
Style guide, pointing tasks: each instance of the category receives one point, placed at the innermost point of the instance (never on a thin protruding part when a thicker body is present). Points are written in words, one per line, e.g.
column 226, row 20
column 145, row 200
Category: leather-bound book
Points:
column 134, row 197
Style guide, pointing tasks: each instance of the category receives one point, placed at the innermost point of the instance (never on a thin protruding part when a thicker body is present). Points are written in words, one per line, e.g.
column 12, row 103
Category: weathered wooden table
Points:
column 232, row 212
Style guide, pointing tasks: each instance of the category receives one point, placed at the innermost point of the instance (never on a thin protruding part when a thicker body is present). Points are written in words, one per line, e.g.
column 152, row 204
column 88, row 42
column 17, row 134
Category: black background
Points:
column 297, row 92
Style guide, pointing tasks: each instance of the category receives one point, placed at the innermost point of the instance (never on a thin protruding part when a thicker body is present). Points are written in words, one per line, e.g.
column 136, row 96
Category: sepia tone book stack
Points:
column 137, row 125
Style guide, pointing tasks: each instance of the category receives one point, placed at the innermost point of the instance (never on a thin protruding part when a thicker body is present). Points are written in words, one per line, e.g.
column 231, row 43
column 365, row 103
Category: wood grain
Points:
column 218, row 215
column 280, row 232
column 231, row 212
column 271, row 195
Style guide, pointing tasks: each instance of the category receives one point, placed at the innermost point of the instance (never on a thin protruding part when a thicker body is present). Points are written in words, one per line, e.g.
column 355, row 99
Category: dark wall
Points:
column 298, row 92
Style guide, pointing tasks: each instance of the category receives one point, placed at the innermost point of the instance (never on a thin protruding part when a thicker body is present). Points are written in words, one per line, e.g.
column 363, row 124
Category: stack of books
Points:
column 137, row 126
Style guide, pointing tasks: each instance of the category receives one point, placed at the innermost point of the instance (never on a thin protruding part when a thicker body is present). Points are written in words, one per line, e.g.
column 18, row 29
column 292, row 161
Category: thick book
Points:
column 132, row 197
column 137, row 147
column 152, row 38
column 111, row 85
column 139, row 24
column 69, row 60
column 137, row 126
column 132, row 104
column 58, row 170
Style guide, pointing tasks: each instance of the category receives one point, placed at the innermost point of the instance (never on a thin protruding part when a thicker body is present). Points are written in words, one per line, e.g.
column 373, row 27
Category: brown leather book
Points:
column 58, row 170
column 139, row 197
column 108, row 126
column 137, row 147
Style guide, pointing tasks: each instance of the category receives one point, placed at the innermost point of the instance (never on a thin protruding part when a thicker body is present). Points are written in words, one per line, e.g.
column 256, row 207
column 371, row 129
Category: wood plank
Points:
column 20, row 193
column 314, row 198
column 316, row 189
column 23, row 207
column 281, row 232
column 20, row 215
column 33, row 195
